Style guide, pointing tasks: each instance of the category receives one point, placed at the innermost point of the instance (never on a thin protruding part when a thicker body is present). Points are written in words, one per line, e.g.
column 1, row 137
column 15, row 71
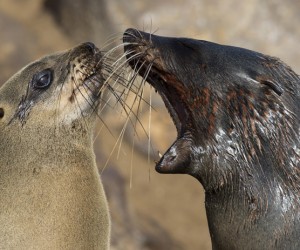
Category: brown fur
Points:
column 51, row 196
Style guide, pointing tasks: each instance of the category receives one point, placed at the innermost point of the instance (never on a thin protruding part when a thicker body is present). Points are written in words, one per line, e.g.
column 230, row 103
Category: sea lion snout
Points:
column 131, row 35
column 91, row 47
column 87, row 47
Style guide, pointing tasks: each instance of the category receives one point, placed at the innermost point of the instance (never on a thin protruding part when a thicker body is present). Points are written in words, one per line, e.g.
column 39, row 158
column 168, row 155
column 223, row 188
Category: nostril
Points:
column 1, row 113
column 90, row 46
column 130, row 35
column 134, row 35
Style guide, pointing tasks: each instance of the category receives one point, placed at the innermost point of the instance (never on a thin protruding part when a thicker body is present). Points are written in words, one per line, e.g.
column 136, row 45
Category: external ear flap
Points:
column 275, row 86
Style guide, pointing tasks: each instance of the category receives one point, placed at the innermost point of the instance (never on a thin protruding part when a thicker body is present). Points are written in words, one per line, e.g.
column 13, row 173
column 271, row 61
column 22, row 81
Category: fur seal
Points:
column 237, row 113
column 51, row 196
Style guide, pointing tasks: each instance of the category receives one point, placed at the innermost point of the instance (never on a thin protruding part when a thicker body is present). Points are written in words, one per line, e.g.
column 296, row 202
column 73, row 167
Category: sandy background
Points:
column 149, row 211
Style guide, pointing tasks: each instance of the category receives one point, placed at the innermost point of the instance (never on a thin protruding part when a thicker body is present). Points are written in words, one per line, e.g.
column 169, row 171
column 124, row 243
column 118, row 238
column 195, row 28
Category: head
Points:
column 235, row 110
column 61, row 88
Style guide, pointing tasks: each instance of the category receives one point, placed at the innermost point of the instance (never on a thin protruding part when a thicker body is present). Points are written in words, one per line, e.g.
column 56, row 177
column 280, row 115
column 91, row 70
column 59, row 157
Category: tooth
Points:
column 159, row 154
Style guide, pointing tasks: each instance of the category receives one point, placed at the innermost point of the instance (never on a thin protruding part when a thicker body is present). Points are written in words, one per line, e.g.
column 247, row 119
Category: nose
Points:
column 132, row 35
column 90, row 47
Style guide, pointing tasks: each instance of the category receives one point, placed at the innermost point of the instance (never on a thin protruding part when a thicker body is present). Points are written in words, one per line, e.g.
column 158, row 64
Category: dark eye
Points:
column 1, row 113
column 42, row 79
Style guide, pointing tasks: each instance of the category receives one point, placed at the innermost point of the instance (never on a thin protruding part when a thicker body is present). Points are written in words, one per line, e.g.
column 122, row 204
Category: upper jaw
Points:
column 151, row 67
column 88, row 80
column 177, row 159
column 158, row 83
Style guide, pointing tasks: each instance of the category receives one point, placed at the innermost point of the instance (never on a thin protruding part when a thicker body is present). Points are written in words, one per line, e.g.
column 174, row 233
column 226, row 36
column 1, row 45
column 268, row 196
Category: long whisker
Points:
column 81, row 111
column 89, row 101
column 114, row 49
column 112, row 39
column 115, row 70
column 149, row 124
column 59, row 99
column 121, row 135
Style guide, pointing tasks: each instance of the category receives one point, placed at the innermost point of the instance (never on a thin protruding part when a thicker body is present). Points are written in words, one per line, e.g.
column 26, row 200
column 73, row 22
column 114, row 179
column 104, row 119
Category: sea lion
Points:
column 51, row 196
column 237, row 113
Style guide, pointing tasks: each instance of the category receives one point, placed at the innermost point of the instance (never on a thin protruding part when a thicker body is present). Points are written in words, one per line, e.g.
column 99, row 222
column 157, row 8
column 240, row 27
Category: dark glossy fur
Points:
column 237, row 116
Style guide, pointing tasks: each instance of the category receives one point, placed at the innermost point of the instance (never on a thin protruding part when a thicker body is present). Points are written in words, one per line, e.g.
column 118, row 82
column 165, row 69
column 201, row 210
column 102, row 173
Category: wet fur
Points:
column 237, row 116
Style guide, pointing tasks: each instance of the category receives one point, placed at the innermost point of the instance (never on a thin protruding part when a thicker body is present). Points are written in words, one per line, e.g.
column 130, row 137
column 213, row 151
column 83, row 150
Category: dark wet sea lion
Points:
column 51, row 195
column 237, row 116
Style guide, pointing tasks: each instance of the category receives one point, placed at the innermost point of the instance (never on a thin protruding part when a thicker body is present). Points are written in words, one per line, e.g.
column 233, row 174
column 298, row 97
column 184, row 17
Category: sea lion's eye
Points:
column 42, row 79
column 1, row 113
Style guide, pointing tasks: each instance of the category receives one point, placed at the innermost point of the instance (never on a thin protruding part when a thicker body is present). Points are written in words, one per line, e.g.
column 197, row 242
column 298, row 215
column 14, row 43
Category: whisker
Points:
column 81, row 111
column 59, row 99
column 114, row 49
column 84, row 96
column 131, row 161
column 149, row 123
column 89, row 103
column 115, row 70
column 111, row 39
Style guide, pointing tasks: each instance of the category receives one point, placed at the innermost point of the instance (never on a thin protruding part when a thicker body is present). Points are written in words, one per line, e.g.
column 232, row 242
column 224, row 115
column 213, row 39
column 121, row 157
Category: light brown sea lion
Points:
column 51, row 196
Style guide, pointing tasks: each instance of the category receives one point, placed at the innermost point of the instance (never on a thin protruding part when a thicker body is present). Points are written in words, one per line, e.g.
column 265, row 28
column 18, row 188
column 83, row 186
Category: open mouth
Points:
column 165, row 85
column 172, row 91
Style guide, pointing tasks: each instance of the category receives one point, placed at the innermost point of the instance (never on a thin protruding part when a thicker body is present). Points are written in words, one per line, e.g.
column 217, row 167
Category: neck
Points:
column 51, row 192
column 247, row 198
column 29, row 146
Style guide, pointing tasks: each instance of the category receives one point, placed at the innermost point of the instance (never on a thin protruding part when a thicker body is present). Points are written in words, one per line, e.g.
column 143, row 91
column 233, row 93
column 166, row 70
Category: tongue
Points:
column 177, row 159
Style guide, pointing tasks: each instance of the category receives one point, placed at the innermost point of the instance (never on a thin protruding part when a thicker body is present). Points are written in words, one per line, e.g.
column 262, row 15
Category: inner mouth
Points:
column 171, row 98
column 145, row 56
column 177, row 158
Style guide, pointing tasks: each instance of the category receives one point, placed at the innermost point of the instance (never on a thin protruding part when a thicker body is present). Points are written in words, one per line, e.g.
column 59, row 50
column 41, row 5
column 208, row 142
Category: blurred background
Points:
column 149, row 210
